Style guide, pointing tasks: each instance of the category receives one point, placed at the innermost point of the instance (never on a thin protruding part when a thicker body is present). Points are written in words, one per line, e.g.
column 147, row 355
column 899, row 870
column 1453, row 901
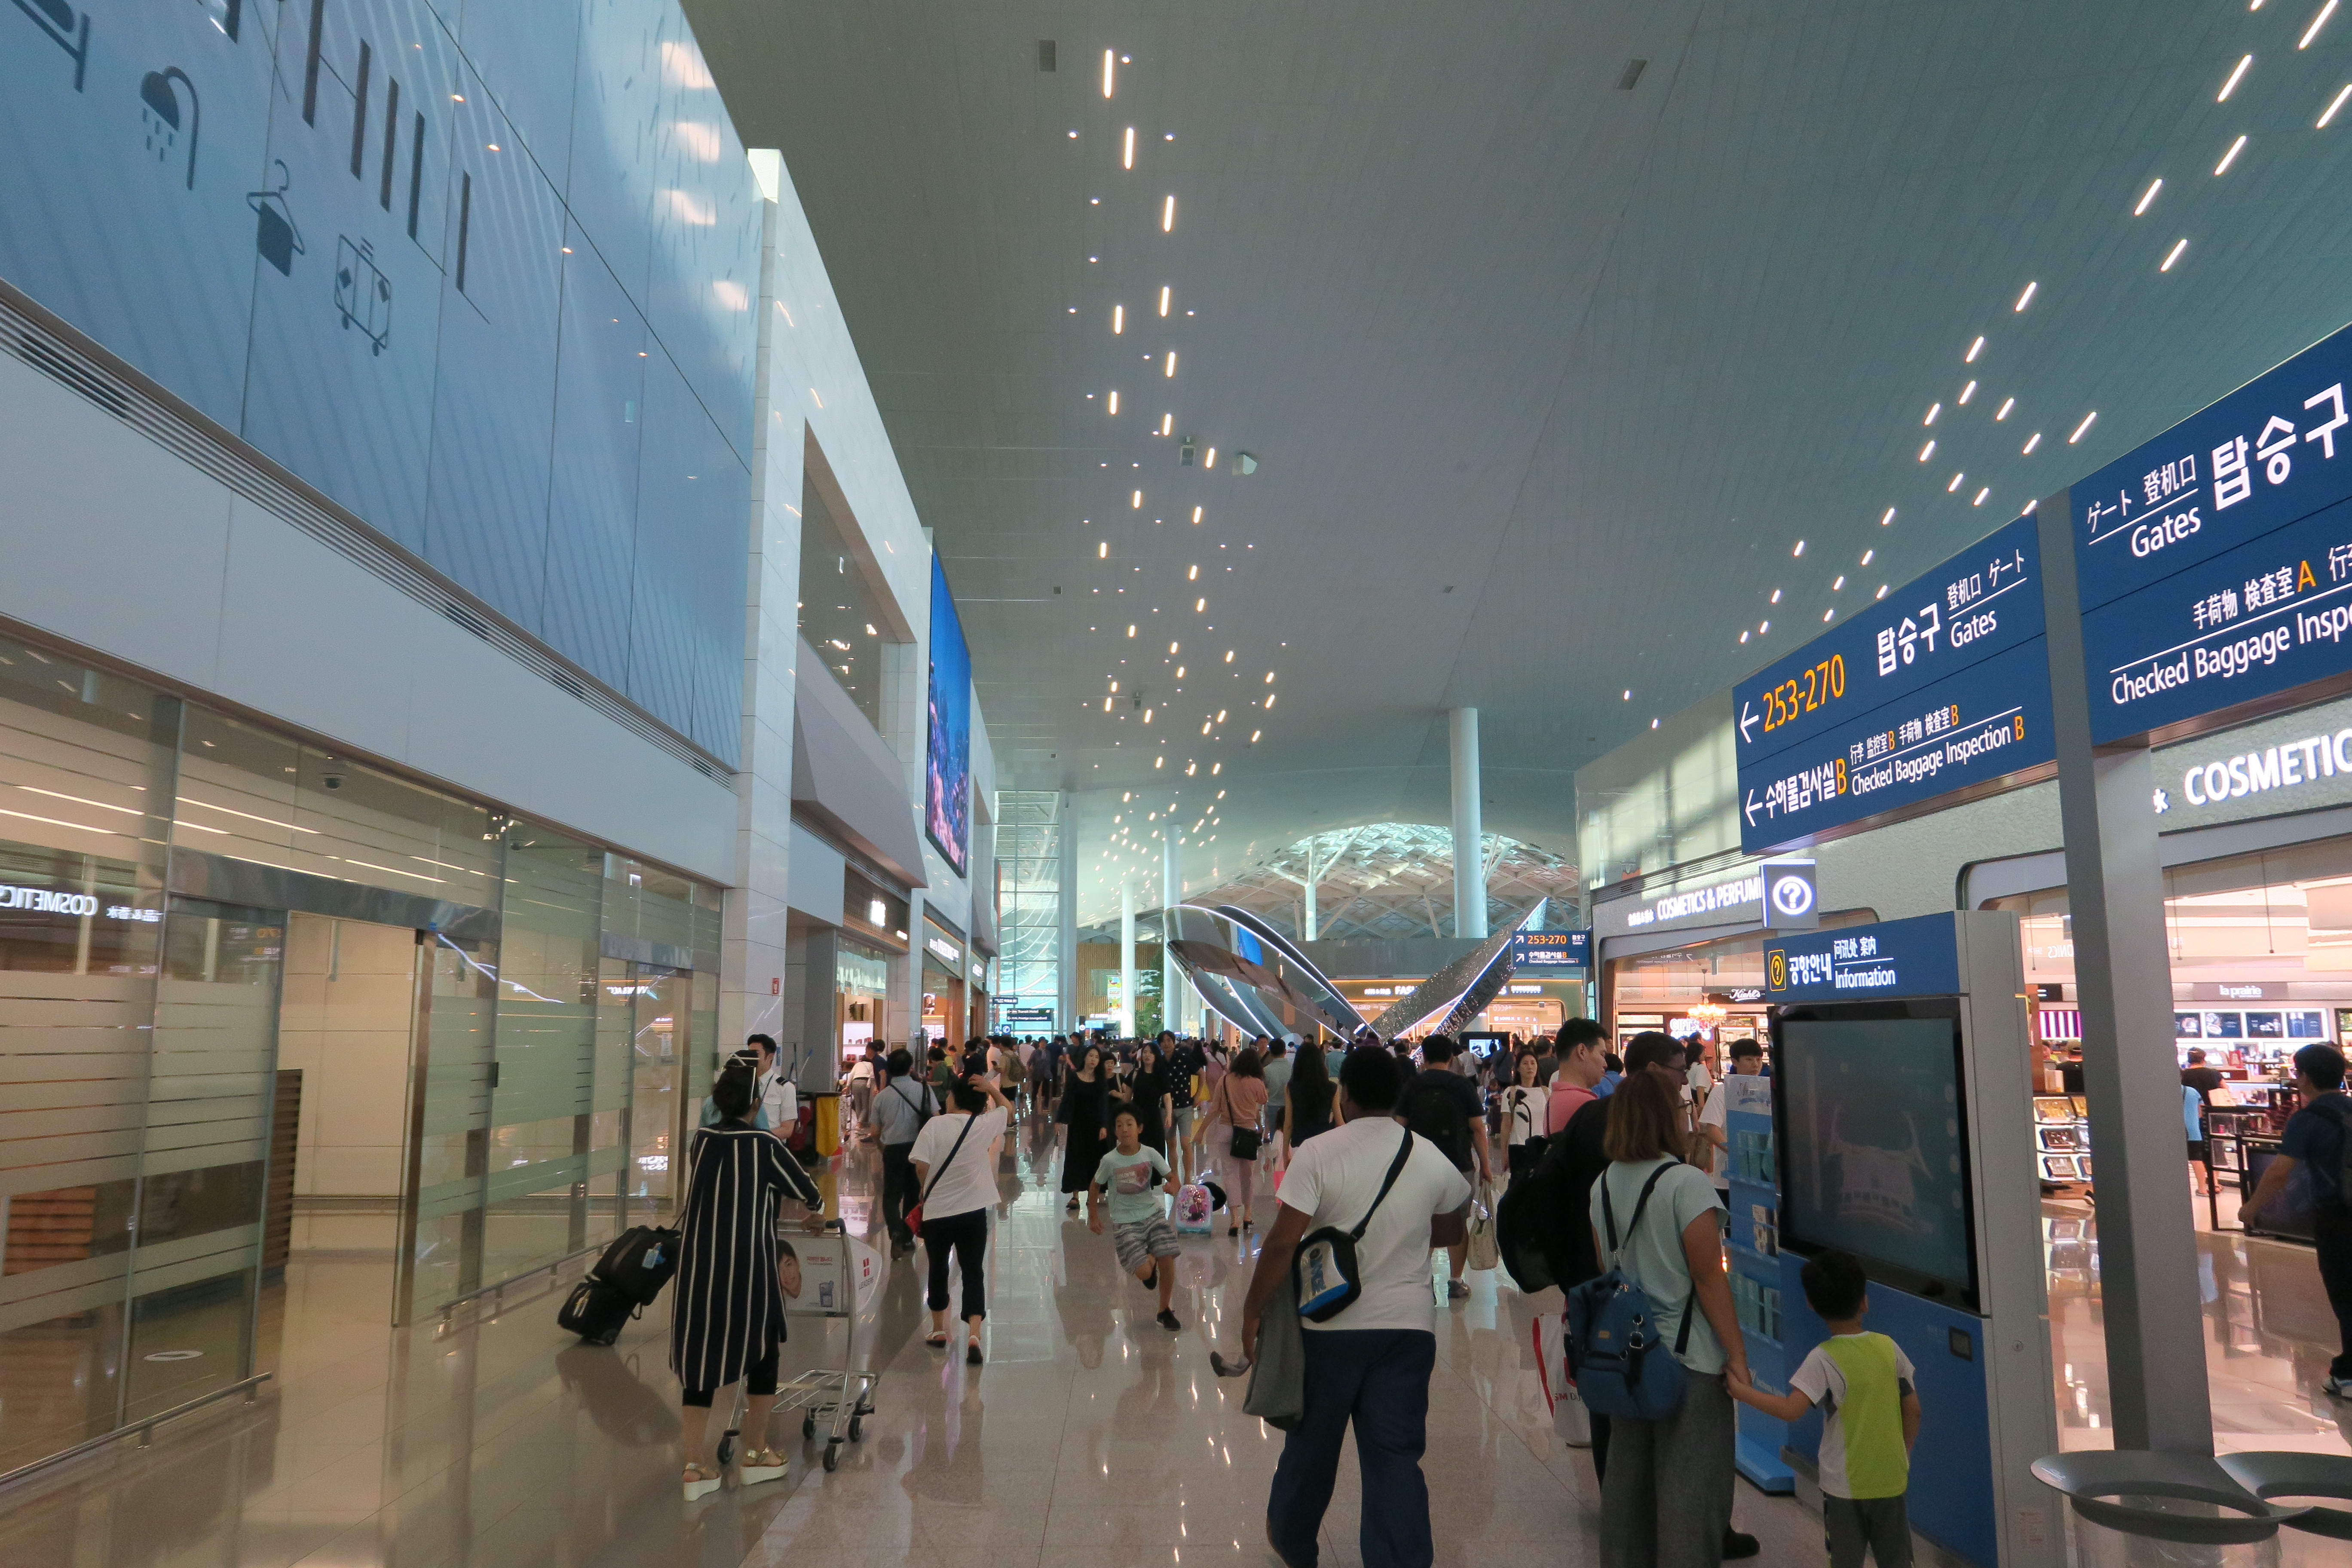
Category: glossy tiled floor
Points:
column 1091, row 1436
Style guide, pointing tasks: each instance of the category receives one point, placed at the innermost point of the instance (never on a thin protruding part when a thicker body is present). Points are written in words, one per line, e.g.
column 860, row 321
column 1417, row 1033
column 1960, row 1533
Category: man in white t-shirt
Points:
column 1747, row 1062
column 1371, row 1362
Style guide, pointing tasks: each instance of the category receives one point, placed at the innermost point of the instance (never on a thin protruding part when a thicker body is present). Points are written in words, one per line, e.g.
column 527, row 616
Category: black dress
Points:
column 1150, row 1088
column 1086, row 1110
column 730, row 1310
column 1309, row 1113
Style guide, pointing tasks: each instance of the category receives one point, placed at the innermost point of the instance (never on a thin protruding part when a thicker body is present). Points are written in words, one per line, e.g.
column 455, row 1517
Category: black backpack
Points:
column 1522, row 1219
column 1433, row 1111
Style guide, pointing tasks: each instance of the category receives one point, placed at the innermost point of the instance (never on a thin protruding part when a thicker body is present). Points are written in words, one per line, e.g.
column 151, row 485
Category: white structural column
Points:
column 1125, row 957
column 1068, row 968
column 753, row 962
column 1308, row 887
column 1469, row 839
column 1172, row 892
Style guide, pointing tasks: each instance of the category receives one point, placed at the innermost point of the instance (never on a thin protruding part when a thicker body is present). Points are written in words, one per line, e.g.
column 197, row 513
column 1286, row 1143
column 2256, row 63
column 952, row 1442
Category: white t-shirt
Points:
column 1524, row 1110
column 1700, row 1081
column 1652, row 1257
column 780, row 1096
column 969, row 1183
column 1333, row 1179
column 1719, row 1160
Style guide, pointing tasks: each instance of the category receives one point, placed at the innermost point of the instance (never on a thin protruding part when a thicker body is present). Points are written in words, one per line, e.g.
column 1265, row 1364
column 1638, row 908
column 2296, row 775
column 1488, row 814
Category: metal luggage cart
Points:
column 838, row 1275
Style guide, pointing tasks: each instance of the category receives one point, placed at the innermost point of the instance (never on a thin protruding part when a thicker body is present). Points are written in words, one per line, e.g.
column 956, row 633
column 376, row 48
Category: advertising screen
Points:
column 1873, row 1153
column 947, row 770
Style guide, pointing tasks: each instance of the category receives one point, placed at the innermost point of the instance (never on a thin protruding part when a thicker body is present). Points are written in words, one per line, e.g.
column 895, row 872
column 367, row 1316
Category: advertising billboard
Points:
column 947, row 766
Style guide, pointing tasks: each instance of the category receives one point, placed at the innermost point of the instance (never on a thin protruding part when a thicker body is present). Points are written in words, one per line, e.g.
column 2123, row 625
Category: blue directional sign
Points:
column 1916, row 957
column 1940, row 685
column 1533, row 951
column 2215, row 562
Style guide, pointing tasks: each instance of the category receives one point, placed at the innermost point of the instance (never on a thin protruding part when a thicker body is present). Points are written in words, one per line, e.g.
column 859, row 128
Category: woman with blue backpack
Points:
column 1655, row 1336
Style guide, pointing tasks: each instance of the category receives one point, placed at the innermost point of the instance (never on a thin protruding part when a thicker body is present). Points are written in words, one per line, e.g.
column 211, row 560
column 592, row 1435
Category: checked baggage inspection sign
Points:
column 1942, row 686
column 2215, row 562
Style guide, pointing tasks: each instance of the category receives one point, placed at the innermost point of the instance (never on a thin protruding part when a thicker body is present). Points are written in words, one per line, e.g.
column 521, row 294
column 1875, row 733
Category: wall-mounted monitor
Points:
column 947, row 770
column 1873, row 1131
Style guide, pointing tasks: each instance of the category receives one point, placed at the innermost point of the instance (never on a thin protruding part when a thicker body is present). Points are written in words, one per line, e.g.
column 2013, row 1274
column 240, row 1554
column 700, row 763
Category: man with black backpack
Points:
column 1442, row 1106
column 2320, row 1136
column 901, row 1106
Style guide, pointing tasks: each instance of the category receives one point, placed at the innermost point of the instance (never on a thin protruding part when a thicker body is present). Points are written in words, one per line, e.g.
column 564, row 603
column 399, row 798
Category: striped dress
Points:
column 730, row 1312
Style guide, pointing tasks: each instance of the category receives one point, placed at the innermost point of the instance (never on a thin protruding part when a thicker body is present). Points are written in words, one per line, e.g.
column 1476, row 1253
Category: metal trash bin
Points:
column 2276, row 1473
column 2133, row 1509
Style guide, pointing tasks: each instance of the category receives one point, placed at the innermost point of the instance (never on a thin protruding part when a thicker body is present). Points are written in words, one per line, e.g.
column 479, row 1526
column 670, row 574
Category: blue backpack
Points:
column 1620, row 1366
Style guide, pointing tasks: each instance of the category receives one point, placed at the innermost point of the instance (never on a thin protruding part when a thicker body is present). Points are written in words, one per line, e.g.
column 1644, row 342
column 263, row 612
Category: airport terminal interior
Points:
column 1458, row 608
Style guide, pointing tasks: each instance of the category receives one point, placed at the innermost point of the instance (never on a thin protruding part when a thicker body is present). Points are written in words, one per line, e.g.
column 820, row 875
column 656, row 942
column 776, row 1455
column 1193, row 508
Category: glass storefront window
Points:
column 840, row 612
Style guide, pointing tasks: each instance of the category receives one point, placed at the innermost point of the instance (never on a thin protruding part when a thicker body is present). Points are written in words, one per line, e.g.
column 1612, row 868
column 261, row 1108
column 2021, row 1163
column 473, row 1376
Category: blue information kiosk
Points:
column 1896, row 1126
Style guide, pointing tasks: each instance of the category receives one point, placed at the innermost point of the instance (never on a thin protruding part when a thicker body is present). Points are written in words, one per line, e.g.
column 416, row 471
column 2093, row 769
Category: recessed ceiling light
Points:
column 1800, row 548
column 1826, row 614
column 1926, row 451
column 1196, row 511
column 1127, row 157
column 1168, row 215
column 1773, row 600
column 1102, row 551
column 2027, row 298
column 1073, row 135
column 2150, row 195
column 1839, row 584
column 1975, row 349
column 1881, row 592
column 1866, row 555
column 1629, row 694
column 2230, row 86
column 1109, row 78
column 2171, row 256
column 1743, row 634
column 1887, row 519
column 1980, row 496
column 1968, row 392
column 1955, row 484
column 2034, row 442
column 1164, row 299
column 2333, row 104
column 1763, row 626
column 1119, row 318
column 2006, row 405
column 1933, row 409
column 2086, row 425
column 2231, row 156
column 1114, row 409
column 1169, row 367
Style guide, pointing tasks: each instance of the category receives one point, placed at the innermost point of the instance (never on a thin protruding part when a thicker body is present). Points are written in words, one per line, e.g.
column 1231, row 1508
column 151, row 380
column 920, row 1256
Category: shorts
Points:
column 1153, row 1237
column 1182, row 1119
column 2196, row 1150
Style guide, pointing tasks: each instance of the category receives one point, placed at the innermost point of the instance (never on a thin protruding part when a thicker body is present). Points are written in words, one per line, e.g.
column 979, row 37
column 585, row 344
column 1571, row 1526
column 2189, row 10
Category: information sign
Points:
column 1892, row 958
column 1942, row 685
column 2215, row 562
column 1541, row 950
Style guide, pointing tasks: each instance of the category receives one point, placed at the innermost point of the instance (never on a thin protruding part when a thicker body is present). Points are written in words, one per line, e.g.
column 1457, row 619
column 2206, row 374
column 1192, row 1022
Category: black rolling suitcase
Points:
column 638, row 1263
column 595, row 1312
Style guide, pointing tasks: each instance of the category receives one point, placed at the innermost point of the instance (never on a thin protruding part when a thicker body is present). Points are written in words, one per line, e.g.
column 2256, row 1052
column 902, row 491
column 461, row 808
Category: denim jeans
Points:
column 1377, row 1378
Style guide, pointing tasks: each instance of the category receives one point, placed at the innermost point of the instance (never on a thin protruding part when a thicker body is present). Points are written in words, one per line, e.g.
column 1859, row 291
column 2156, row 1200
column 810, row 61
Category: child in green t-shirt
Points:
column 1145, row 1235
column 1871, row 1418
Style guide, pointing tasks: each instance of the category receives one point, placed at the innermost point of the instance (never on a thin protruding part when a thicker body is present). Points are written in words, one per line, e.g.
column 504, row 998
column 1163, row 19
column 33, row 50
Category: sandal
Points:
column 937, row 1341
column 699, row 1482
column 761, row 1465
column 971, row 1354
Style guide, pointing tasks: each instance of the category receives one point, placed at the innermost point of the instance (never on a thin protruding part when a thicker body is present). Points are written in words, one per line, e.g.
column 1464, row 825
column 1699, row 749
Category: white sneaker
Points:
column 2337, row 1387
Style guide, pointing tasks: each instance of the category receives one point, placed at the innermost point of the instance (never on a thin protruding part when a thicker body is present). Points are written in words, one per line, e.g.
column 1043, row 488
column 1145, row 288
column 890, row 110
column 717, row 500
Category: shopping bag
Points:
column 1486, row 1251
column 1570, row 1420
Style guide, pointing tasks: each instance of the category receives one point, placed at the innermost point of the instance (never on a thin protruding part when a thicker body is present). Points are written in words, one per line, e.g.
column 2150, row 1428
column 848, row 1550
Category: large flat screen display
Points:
column 947, row 772
column 1874, row 1146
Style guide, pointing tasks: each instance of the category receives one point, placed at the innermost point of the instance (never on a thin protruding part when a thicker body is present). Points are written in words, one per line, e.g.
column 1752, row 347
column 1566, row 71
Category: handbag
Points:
column 1277, row 1385
column 1486, row 1251
column 1324, row 1271
column 915, row 1215
column 1246, row 1139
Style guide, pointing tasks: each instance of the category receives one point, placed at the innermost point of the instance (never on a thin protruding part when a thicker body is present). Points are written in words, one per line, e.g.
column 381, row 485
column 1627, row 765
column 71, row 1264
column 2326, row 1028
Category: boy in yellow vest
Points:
column 1870, row 1419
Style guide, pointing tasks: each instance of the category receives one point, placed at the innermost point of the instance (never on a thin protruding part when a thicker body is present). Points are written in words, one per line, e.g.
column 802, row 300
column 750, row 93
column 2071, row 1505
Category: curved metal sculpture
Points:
column 1253, row 977
column 1471, row 981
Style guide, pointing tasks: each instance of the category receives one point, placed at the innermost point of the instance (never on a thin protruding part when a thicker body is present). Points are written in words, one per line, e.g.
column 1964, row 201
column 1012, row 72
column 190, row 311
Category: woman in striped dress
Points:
column 727, row 1321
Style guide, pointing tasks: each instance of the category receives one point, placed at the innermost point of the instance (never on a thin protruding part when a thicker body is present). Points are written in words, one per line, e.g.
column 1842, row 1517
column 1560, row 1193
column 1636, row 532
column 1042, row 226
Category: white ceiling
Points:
column 1547, row 377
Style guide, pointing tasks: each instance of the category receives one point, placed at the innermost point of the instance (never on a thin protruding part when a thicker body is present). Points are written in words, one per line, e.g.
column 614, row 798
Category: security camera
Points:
column 332, row 781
